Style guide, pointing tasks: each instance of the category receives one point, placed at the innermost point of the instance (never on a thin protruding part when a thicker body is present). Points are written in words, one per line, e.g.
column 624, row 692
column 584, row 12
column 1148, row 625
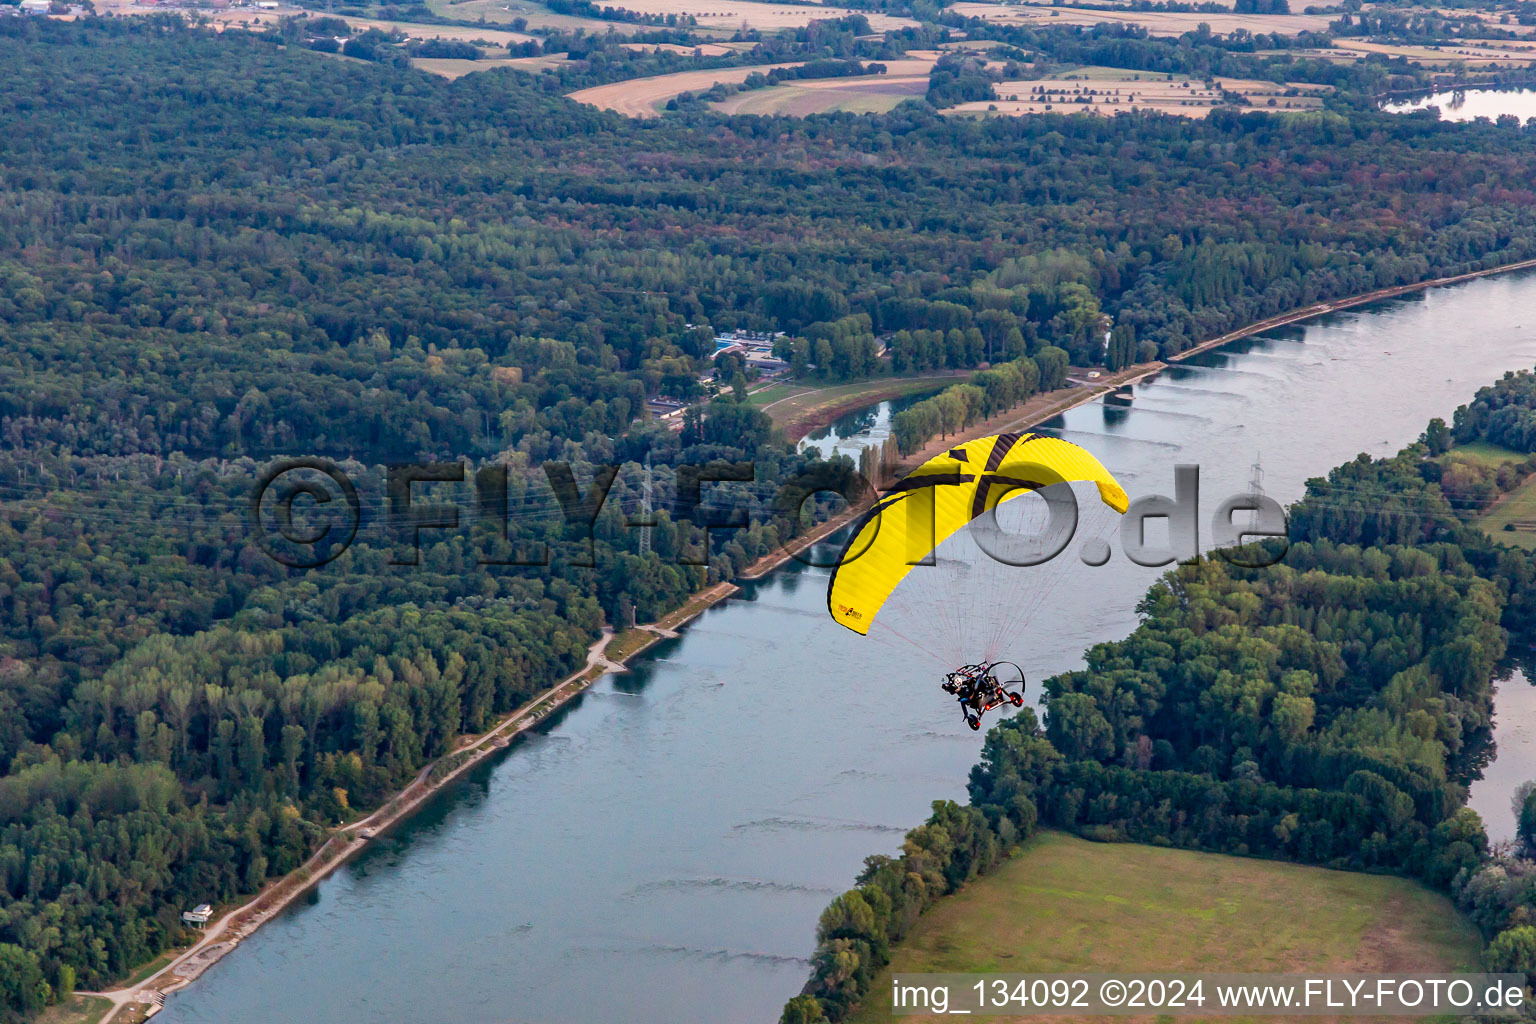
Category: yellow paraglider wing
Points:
column 941, row 496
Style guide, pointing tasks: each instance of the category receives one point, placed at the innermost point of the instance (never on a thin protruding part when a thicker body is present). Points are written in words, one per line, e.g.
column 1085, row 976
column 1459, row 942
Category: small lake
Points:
column 850, row 434
column 1470, row 104
column 1513, row 762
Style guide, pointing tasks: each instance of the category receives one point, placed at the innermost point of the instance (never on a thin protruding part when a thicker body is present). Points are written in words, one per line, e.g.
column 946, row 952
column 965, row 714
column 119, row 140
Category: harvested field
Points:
column 1336, row 55
column 1086, row 92
column 863, row 94
column 457, row 33
column 1479, row 54
column 1228, row 4
column 246, row 17
column 535, row 14
column 1491, row 19
column 970, row 45
column 740, row 14
column 644, row 97
column 1472, row 53
column 1158, row 23
column 702, row 50
column 451, row 67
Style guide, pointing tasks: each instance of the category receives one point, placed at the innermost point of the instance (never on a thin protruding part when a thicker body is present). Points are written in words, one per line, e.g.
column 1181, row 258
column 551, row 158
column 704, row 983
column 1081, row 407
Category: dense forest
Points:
column 217, row 249
column 508, row 229
column 1329, row 709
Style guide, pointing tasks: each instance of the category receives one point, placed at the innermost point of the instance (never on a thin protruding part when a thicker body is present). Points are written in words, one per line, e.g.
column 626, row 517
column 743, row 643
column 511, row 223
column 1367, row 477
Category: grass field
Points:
column 627, row 643
column 798, row 101
column 1065, row 904
column 145, row 970
column 76, row 1010
column 1485, row 454
column 1518, row 505
column 800, row 409
column 1097, row 73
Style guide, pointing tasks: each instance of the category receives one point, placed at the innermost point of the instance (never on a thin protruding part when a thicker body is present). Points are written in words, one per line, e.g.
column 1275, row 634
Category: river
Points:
column 659, row 852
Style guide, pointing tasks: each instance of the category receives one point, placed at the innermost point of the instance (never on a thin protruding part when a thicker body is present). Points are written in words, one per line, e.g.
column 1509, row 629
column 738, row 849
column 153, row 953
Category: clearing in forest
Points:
column 1511, row 519
column 1065, row 904
column 644, row 97
column 455, row 67
column 903, row 79
column 801, row 409
column 1112, row 90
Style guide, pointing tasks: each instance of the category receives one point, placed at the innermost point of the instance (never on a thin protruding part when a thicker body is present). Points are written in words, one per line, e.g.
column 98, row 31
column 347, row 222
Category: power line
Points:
column 645, row 506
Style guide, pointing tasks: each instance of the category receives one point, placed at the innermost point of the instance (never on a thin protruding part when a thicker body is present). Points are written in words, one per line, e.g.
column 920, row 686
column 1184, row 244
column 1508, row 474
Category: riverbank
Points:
column 1493, row 85
column 1308, row 312
column 1043, row 407
column 715, row 917
column 808, row 409
column 1032, row 411
column 1035, row 410
column 221, row 937
column 1053, row 403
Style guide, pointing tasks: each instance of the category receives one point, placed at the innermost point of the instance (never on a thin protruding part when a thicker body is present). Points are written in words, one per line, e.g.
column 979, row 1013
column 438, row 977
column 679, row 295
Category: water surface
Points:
column 659, row 853
column 1470, row 104
column 852, row 432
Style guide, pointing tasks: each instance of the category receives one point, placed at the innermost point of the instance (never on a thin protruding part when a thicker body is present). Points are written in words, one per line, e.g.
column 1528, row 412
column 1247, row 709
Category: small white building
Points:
column 35, row 6
column 198, row 915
